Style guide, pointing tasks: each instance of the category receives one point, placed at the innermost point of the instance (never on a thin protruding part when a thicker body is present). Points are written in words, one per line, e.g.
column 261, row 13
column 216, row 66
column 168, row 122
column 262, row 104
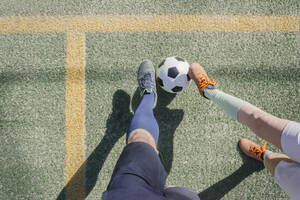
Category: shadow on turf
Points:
column 221, row 188
column 168, row 120
column 116, row 126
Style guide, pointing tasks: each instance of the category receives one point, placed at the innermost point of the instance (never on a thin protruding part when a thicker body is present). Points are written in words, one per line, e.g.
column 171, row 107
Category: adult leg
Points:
column 282, row 133
column 141, row 135
column 285, row 171
column 272, row 160
column 261, row 123
column 139, row 173
column 144, row 119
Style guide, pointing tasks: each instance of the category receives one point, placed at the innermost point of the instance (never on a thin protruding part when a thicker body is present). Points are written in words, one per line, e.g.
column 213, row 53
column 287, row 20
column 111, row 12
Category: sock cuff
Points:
column 228, row 103
column 266, row 152
column 209, row 91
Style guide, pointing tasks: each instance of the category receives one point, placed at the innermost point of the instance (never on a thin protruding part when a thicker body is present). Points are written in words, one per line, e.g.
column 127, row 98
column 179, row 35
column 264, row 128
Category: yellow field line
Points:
column 75, row 114
column 76, row 26
column 151, row 23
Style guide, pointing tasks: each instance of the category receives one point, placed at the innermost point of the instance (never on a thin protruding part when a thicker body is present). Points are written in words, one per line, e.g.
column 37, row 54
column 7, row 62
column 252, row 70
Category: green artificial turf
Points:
column 32, row 121
column 138, row 7
column 197, row 140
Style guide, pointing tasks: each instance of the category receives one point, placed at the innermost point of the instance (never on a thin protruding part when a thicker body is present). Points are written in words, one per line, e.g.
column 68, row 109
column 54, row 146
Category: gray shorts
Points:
column 287, row 175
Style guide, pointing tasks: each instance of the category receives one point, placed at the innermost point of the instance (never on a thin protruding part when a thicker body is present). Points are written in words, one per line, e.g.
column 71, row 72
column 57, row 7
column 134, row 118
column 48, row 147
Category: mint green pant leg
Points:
column 228, row 103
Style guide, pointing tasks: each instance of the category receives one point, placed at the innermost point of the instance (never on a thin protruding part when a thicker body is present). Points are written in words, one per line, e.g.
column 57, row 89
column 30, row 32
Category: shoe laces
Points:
column 204, row 81
column 258, row 150
column 146, row 83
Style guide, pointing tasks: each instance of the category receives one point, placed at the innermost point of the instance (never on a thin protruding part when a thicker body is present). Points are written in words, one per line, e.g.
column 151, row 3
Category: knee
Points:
column 141, row 135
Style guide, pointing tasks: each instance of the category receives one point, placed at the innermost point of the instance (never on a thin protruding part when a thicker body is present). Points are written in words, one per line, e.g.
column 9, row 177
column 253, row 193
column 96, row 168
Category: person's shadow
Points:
column 168, row 120
column 221, row 188
column 116, row 127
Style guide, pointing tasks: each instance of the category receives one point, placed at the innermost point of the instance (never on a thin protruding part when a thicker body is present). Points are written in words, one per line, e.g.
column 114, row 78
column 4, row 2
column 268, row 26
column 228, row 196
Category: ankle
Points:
column 203, row 82
column 266, row 153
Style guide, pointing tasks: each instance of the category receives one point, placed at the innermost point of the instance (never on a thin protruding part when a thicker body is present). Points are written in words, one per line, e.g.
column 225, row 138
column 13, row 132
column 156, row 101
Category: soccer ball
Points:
column 173, row 74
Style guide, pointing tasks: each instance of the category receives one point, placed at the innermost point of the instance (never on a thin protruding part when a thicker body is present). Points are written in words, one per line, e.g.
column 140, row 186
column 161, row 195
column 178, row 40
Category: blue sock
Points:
column 144, row 118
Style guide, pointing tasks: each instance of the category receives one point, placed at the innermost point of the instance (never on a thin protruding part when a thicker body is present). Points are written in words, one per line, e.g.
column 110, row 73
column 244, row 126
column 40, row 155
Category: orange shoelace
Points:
column 259, row 150
column 204, row 81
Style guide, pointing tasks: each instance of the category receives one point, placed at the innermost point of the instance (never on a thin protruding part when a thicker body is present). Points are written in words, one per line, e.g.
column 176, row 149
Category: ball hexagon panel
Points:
column 177, row 89
column 173, row 72
column 171, row 61
column 163, row 71
column 166, row 81
column 183, row 67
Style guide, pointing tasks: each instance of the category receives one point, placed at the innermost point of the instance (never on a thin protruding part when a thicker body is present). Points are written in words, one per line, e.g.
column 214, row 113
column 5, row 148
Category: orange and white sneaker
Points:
column 199, row 75
column 252, row 149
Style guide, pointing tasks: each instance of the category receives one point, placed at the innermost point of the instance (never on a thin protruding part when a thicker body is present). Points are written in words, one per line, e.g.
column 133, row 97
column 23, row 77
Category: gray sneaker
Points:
column 146, row 79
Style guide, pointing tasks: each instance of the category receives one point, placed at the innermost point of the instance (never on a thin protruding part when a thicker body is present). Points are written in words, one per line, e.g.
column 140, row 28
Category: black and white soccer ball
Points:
column 173, row 74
